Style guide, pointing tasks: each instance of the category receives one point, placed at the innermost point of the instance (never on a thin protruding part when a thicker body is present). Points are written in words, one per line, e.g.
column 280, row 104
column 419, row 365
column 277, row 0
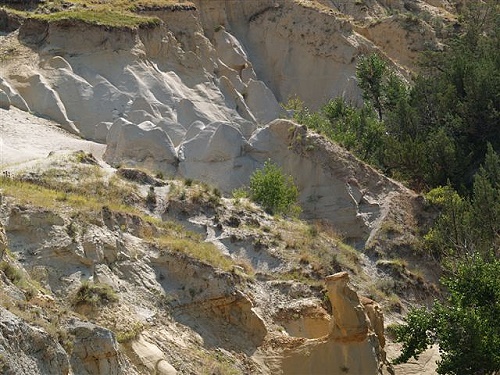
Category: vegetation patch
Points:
column 29, row 287
column 275, row 191
column 465, row 325
column 94, row 294
column 112, row 13
column 203, row 251
column 55, row 188
column 130, row 334
column 12, row 273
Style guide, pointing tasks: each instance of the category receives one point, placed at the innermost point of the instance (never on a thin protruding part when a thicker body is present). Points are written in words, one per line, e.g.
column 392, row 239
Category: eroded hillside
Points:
column 123, row 271
column 187, row 95
column 164, row 275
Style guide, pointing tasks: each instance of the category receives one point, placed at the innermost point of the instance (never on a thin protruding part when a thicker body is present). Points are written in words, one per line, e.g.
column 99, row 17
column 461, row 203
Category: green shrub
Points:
column 94, row 294
column 240, row 193
column 11, row 272
column 275, row 191
column 130, row 334
column 465, row 325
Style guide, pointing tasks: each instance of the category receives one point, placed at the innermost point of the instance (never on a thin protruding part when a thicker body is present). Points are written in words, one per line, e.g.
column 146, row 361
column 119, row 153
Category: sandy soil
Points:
column 25, row 138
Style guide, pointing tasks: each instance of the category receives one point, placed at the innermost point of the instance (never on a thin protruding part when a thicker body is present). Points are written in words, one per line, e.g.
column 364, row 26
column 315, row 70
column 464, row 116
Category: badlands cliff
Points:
column 196, row 96
column 190, row 97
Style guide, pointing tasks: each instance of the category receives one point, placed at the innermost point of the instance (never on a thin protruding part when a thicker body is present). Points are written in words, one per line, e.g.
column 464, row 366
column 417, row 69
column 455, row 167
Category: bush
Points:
column 465, row 325
column 275, row 191
column 94, row 294
column 11, row 272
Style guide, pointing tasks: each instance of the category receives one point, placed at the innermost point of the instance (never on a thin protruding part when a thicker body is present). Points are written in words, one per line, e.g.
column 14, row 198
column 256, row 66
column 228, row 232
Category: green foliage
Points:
column 95, row 294
column 466, row 326
column 240, row 193
column 11, row 272
column 485, row 210
column 436, row 130
column 356, row 129
column 275, row 191
column 371, row 71
column 466, row 226
column 450, row 235
column 414, row 334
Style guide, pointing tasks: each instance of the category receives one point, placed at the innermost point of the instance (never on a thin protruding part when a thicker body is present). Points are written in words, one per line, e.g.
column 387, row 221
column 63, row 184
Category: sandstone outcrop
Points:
column 350, row 344
column 95, row 350
column 194, row 106
column 195, row 97
column 151, row 357
column 182, row 304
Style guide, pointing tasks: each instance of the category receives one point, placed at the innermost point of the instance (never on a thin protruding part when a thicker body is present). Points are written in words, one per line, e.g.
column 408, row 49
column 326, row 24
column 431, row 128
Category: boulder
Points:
column 262, row 102
column 95, row 350
column 174, row 130
column 43, row 99
column 144, row 144
column 15, row 99
column 217, row 142
column 150, row 356
column 230, row 50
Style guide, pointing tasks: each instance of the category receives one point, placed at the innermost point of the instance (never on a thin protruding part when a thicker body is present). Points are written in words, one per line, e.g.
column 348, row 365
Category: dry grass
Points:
column 57, row 189
column 94, row 294
column 319, row 6
column 317, row 247
column 194, row 247
column 101, row 17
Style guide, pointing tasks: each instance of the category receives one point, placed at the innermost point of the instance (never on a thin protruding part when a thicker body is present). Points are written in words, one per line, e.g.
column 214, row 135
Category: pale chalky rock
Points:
column 144, row 144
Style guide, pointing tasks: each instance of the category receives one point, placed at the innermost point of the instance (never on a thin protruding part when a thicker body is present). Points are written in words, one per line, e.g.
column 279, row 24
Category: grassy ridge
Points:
column 111, row 13
column 100, row 17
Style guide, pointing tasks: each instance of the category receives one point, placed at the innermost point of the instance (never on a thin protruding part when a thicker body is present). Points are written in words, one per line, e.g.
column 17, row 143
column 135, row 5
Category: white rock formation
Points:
column 95, row 350
column 144, row 144
column 151, row 357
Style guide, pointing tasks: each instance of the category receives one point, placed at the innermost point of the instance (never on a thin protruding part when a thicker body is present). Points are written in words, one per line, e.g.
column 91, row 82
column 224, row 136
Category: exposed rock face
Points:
column 175, row 310
column 4, row 100
column 144, row 144
column 186, row 98
column 3, row 238
column 350, row 322
column 151, row 357
column 353, row 341
column 95, row 350
column 197, row 97
column 305, row 319
column 28, row 350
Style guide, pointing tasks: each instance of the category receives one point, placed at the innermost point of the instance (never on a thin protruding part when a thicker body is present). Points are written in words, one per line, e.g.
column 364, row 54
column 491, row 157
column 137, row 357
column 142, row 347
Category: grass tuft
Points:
column 203, row 251
column 94, row 294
